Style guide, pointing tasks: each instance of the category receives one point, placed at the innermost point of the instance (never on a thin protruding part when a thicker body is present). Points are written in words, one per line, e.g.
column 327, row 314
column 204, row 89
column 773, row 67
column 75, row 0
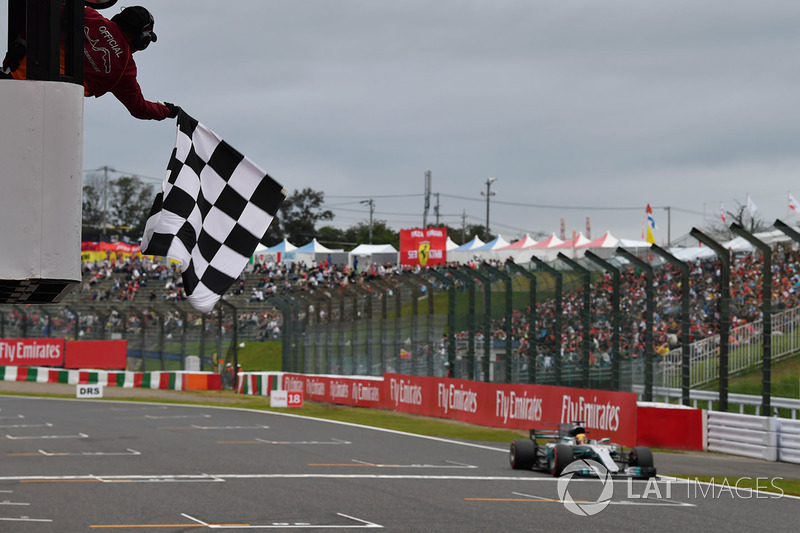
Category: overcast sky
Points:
column 592, row 108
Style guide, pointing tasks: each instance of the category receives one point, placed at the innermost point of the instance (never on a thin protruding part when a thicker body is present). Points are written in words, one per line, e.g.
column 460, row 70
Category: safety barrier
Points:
column 792, row 405
column 109, row 378
column 746, row 435
column 789, row 441
column 259, row 383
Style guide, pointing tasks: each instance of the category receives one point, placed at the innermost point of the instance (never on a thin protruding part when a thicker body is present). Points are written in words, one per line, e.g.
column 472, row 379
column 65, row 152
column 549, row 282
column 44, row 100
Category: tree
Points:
column 742, row 215
column 130, row 200
column 300, row 213
column 381, row 234
column 92, row 203
column 330, row 236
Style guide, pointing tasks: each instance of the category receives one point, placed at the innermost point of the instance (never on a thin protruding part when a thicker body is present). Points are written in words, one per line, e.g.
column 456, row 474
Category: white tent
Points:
column 283, row 246
column 450, row 245
column 374, row 253
column 471, row 245
column 490, row 250
column 605, row 241
column 574, row 247
column 630, row 243
column 524, row 242
column 276, row 253
column 543, row 249
column 314, row 247
column 465, row 253
column 517, row 250
column 369, row 249
column 310, row 252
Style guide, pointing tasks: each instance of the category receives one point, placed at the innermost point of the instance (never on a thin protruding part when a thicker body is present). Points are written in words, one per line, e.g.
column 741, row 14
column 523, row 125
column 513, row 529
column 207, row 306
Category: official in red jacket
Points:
column 108, row 66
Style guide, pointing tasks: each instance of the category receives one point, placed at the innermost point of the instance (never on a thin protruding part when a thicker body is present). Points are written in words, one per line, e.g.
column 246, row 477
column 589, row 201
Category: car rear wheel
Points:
column 641, row 456
column 522, row 454
column 561, row 458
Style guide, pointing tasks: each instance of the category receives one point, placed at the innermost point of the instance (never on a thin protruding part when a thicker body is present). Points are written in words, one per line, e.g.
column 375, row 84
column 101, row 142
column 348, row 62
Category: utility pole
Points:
column 371, row 203
column 488, row 195
column 105, row 198
column 436, row 209
column 464, row 226
column 427, row 199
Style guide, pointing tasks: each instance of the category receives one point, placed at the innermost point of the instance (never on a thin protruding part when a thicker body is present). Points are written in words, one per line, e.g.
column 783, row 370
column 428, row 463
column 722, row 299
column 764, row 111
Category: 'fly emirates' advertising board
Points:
column 31, row 352
column 605, row 413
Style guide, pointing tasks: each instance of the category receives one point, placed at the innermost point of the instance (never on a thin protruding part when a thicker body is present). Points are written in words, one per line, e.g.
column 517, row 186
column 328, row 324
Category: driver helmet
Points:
column 580, row 438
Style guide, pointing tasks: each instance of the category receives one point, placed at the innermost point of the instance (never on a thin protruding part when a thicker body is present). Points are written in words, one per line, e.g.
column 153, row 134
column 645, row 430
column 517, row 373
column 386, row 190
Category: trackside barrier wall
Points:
column 144, row 380
column 512, row 406
column 789, row 441
column 258, row 383
column 747, row 435
column 670, row 426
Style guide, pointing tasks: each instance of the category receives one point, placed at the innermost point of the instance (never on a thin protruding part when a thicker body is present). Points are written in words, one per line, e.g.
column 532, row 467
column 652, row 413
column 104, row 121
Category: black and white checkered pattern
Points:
column 214, row 208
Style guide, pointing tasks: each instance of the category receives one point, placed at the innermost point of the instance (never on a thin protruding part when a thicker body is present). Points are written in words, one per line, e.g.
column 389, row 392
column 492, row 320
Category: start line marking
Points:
column 78, row 436
column 287, row 525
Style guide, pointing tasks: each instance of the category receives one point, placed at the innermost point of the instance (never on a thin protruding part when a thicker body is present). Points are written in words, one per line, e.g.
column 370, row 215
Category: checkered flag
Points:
column 214, row 208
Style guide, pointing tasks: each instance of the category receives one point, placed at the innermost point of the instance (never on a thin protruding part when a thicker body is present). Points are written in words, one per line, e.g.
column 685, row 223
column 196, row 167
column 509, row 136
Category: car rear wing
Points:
column 543, row 434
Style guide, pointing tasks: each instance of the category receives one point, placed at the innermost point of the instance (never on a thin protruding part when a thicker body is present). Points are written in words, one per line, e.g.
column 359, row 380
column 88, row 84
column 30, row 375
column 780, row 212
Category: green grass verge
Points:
column 739, row 486
column 418, row 425
column 260, row 356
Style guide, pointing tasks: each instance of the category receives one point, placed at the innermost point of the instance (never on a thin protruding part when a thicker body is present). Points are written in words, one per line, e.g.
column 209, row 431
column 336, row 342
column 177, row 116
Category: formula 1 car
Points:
column 569, row 443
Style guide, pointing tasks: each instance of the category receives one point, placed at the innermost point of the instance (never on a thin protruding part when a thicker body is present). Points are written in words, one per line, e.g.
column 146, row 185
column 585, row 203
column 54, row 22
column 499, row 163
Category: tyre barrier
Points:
column 177, row 380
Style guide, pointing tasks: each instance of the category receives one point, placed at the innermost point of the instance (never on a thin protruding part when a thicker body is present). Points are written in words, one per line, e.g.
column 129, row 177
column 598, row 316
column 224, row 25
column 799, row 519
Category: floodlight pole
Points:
column 724, row 311
column 766, row 311
column 587, row 315
column 648, row 320
column 557, row 318
column 685, row 309
column 616, row 315
column 488, row 195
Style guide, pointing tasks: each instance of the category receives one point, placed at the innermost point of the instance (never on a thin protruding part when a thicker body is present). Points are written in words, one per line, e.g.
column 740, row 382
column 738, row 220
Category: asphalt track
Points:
column 70, row 465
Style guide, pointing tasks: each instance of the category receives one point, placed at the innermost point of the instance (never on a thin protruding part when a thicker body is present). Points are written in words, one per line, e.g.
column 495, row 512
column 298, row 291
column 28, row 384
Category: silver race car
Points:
column 570, row 443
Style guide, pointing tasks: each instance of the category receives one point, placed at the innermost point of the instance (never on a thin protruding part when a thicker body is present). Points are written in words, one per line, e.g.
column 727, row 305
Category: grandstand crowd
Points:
column 143, row 289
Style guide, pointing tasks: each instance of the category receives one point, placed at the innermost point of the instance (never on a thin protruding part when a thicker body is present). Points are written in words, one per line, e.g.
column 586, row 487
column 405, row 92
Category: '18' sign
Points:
column 282, row 398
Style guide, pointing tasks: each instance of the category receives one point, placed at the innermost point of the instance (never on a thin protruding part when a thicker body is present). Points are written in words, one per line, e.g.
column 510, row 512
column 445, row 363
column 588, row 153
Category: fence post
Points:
column 234, row 337
column 510, row 264
column 160, row 318
column 24, row 321
column 509, row 315
column 587, row 315
column 615, row 315
column 184, row 326
column 648, row 320
column 77, row 321
column 724, row 311
column 487, row 320
column 360, row 289
column 766, row 312
column 559, row 281
column 203, row 340
column 451, row 318
column 385, row 289
column 471, row 325
column 685, row 311
column 418, row 283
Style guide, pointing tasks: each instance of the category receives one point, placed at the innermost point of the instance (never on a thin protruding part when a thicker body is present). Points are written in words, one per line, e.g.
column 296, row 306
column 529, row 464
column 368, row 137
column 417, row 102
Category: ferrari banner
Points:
column 423, row 247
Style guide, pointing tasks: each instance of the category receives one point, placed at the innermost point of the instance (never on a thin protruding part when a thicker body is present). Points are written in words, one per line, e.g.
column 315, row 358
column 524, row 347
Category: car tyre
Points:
column 561, row 458
column 641, row 456
column 522, row 454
